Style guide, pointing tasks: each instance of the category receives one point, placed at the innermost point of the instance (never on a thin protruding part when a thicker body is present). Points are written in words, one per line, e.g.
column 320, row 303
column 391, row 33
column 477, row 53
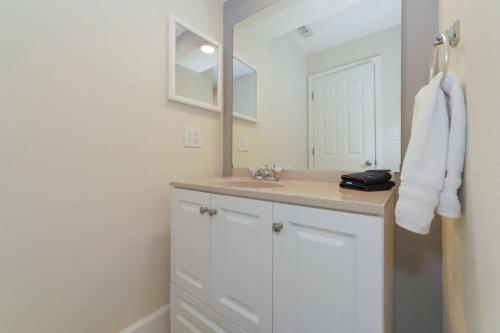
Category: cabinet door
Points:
column 191, row 243
column 191, row 316
column 242, row 262
column 328, row 271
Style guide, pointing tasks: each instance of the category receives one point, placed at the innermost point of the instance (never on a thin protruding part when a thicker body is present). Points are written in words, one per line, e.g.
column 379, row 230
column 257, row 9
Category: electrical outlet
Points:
column 243, row 143
column 192, row 137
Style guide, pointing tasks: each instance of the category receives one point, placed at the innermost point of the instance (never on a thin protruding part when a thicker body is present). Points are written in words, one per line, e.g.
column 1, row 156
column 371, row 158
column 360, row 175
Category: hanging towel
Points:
column 435, row 146
column 449, row 205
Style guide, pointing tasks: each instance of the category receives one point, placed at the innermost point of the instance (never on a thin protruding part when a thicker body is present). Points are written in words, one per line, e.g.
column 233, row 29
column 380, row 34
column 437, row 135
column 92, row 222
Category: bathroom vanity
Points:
column 309, row 93
column 292, row 256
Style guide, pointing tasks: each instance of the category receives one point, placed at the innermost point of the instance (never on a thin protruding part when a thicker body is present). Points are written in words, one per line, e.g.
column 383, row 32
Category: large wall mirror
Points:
column 328, row 92
column 194, row 64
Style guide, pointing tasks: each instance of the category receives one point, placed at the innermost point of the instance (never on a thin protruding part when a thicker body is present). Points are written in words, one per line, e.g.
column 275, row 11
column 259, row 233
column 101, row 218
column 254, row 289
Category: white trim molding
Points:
column 162, row 313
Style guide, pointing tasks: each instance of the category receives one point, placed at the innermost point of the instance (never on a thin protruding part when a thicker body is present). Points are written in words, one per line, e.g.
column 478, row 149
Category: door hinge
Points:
column 312, row 96
column 313, row 151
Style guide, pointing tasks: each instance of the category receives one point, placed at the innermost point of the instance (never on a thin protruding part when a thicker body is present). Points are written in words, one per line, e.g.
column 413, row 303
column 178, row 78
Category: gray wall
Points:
column 418, row 303
column 418, row 289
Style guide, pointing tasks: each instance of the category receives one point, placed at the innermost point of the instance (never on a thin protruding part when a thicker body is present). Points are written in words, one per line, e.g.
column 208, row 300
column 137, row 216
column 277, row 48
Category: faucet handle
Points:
column 266, row 172
column 258, row 171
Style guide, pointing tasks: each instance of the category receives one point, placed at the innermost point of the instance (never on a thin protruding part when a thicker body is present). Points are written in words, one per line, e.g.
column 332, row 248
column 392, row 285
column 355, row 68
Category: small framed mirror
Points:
column 194, row 67
column 244, row 90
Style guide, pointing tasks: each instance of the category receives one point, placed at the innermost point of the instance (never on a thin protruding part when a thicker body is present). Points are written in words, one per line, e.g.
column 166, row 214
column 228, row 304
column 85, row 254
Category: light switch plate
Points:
column 192, row 137
column 243, row 143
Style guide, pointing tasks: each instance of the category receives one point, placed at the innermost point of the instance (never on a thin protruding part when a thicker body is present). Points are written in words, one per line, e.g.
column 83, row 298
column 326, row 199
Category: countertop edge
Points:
column 364, row 208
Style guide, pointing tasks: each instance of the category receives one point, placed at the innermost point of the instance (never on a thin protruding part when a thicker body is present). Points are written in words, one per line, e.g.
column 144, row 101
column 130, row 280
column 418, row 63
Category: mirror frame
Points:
column 171, row 66
column 241, row 116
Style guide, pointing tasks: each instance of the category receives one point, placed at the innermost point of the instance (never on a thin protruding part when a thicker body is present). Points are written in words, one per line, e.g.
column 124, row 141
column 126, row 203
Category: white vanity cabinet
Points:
column 222, row 255
column 255, row 266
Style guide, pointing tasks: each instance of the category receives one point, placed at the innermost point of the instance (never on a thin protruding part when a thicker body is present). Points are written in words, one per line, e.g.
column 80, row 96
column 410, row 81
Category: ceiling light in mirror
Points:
column 207, row 48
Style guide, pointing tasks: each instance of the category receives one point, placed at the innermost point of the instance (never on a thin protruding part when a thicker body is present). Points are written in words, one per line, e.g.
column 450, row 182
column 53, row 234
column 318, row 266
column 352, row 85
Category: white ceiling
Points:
column 197, row 61
column 188, row 53
column 332, row 22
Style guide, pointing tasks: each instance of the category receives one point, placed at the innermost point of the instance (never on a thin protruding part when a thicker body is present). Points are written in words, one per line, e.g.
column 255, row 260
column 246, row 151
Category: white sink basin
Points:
column 250, row 184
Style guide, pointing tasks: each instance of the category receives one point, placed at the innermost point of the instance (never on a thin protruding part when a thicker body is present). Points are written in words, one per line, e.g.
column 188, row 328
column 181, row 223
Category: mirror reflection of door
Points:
column 343, row 118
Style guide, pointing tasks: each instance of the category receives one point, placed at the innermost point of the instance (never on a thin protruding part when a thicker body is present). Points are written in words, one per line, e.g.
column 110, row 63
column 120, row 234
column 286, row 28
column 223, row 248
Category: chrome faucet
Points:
column 266, row 173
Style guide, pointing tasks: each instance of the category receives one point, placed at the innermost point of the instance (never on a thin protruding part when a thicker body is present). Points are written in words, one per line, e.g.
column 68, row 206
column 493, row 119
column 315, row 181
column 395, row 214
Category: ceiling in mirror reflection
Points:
column 191, row 51
column 331, row 22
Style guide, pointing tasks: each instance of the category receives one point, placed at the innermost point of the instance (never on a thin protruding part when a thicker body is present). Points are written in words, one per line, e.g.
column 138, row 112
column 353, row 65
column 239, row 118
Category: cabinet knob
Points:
column 203, row 210
column 277, row 227
column 212, row 211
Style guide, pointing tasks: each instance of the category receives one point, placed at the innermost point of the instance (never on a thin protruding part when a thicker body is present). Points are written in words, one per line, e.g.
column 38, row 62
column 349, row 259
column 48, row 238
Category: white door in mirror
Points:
column 344, row 119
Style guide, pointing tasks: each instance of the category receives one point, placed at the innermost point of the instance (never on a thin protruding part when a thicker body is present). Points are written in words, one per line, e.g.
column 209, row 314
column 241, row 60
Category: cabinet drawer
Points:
column 191, row 316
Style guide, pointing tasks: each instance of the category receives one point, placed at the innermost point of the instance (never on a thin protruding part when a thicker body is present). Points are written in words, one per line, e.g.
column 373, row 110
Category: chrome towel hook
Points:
column 450, row 37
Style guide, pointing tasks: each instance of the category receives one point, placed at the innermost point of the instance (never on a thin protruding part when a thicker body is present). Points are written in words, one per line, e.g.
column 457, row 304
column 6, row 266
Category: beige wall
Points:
column 88, row 145
column 471, row 245
column 280, row 136
column 387, row 45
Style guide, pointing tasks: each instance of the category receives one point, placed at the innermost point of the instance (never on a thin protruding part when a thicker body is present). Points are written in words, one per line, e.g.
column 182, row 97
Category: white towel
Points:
column 449, row 205
column 433, row 165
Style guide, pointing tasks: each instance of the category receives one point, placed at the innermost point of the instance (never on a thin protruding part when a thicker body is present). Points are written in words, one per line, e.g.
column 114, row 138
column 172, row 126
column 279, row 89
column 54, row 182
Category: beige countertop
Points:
column 319, row 194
